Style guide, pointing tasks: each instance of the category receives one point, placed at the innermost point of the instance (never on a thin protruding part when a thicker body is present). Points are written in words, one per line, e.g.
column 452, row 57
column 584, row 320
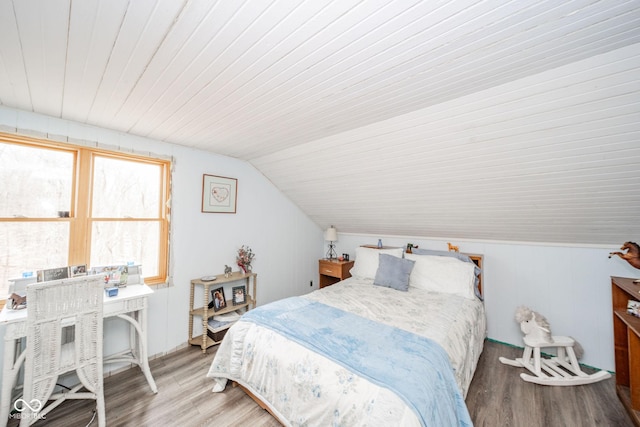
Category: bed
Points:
column 395, row 344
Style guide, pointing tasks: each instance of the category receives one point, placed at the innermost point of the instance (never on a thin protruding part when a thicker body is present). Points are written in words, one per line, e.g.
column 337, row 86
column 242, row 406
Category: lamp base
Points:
column 331, row 253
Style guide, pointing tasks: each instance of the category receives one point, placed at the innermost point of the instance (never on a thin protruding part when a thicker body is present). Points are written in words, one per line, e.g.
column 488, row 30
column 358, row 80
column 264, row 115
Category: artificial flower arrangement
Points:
column 244, row 258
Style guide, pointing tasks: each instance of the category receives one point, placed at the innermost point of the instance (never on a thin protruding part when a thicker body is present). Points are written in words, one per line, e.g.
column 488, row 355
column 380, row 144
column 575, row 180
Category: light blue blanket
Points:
column 416, row 368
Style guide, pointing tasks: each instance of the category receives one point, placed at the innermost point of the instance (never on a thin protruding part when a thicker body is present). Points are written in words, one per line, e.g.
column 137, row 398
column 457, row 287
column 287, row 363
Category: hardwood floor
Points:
column 497, row 397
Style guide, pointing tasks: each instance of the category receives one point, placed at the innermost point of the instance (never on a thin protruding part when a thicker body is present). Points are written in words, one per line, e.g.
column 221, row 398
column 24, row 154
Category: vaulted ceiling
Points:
column 501, row 120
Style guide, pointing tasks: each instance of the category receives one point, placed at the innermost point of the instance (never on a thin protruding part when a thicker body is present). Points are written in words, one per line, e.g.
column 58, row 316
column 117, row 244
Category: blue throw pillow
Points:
column 393, row 272
column 458, row 255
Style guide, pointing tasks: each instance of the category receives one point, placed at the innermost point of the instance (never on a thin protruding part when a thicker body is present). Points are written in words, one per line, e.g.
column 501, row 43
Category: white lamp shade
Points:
column 331, row 234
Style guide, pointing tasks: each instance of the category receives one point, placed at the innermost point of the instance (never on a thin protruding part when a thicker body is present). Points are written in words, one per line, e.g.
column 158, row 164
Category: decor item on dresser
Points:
column 331, row 235
column 227, row 271
column 244, row 258
column 344, row 332
column 219, row 194
column 632, row 254
column 563, row 369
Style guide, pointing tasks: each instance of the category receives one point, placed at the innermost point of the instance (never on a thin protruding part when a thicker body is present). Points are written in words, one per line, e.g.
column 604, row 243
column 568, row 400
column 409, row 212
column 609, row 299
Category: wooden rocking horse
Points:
column 560, row 370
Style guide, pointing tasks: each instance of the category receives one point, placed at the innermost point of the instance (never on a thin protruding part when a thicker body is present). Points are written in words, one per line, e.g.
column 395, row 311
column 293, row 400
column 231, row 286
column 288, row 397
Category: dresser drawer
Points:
column 330, row 269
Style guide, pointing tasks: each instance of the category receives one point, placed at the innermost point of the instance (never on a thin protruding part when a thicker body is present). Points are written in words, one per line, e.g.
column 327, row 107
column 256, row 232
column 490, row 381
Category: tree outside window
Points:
column 66, row 205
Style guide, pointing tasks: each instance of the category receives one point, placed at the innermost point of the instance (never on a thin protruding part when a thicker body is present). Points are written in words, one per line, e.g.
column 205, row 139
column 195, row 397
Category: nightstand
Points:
column 332, row 271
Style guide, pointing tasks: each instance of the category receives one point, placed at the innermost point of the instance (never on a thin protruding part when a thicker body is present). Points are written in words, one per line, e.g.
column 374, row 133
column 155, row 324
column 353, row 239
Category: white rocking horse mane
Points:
column 532, row 322
column 524, row 313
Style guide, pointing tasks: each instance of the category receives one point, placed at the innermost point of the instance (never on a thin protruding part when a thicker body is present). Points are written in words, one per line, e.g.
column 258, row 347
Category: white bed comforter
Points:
column 304, row 388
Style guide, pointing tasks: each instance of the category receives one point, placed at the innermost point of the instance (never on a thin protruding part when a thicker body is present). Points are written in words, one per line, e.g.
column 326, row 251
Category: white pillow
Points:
column 442, row 274
column 366, row 264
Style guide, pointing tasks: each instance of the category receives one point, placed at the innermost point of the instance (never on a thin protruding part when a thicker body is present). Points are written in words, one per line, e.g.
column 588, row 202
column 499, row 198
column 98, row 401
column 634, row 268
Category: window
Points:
column 66, row 205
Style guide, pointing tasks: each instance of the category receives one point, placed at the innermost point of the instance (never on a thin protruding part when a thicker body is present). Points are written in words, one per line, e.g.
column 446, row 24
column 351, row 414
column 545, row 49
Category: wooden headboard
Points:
column 477, row 259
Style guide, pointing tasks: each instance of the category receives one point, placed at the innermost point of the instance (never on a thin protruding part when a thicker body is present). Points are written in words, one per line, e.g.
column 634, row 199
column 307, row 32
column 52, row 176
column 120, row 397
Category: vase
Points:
column 243, row 268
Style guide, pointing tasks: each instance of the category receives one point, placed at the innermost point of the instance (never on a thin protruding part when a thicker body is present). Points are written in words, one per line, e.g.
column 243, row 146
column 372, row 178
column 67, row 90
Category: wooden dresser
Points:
column 626, row 335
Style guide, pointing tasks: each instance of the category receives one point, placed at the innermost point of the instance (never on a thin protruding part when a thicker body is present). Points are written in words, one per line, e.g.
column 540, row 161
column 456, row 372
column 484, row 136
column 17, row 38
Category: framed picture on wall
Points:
column 219, row 194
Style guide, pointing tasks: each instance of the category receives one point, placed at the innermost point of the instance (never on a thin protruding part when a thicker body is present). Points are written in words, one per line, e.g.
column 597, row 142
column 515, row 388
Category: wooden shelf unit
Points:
column 626, row 336
column 205, row 313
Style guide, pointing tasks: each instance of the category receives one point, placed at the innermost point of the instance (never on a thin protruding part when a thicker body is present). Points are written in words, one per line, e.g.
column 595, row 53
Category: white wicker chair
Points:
column 52, row 306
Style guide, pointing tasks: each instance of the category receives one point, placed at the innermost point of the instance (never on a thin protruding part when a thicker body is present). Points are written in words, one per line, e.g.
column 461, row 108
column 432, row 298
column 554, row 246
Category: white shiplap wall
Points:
column 552, row 157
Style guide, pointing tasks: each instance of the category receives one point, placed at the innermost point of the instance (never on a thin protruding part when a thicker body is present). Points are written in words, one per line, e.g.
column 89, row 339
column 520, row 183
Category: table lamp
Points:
column 331, row 235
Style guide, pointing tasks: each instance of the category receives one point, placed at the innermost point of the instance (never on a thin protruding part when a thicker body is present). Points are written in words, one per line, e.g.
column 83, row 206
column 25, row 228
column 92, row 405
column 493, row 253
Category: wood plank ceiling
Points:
column 502, row 120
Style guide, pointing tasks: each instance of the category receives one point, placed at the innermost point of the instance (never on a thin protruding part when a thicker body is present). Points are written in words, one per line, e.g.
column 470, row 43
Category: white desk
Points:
column 130, row 305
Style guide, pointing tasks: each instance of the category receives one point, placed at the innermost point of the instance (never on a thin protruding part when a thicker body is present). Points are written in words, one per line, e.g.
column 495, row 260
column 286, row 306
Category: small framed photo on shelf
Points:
column 52, row 274
column 219, row 194
column 219, row 301
column 239, row 295
column 78, row 270
column 115, row 275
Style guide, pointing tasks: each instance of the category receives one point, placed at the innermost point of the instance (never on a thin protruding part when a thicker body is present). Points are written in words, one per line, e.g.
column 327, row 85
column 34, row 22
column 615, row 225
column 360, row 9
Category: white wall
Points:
column 286, row 241
column 569, row 285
